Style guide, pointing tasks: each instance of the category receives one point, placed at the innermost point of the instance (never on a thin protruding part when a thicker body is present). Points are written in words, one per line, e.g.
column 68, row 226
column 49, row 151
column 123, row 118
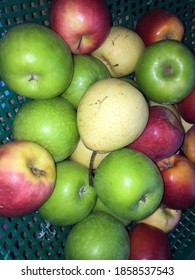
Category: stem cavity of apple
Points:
column 81, row 191
column 36, row 171
column 33, row 77
column 168, row 70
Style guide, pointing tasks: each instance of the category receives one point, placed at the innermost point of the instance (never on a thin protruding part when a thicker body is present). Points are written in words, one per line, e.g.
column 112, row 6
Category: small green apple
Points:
column 35, row 61
column 99, row 236
column 72, row 199
column 50, row 123
column 165, row 72
column 129, row 183
column 87, row 70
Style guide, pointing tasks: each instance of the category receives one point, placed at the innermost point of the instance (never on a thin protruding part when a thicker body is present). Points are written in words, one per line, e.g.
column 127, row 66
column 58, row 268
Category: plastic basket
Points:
column 30, row 237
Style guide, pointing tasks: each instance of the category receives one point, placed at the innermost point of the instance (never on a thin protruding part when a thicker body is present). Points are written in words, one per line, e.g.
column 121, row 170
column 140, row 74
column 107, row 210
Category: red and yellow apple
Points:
column 159, row 24
column 178, row 174
column 163, row 218
column 162, row 136
column 188, row 146
column 27, row 177
column 83, row 24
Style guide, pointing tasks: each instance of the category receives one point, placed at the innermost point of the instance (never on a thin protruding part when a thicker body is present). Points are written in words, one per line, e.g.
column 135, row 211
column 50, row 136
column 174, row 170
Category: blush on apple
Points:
column 83, row 24
column 27, row 177
column 188, row 146
column 159, row 24
column 163, row 218
column 162, row 136
column 186, row 107
column 178, row 174
column 148, row 243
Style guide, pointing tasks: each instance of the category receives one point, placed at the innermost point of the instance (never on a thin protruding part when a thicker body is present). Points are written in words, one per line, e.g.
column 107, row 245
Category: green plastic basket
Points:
column 30, row 237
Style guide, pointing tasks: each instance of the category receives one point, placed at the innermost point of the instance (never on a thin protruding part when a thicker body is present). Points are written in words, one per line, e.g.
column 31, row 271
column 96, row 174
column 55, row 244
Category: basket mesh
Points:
column 30, row 237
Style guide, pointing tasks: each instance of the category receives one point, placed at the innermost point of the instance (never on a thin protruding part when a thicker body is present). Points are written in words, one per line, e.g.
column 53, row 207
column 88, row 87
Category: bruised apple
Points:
column 27, row 177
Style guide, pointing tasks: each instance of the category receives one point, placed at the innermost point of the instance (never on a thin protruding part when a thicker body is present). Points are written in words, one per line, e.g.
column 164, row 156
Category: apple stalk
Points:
column 91, row 168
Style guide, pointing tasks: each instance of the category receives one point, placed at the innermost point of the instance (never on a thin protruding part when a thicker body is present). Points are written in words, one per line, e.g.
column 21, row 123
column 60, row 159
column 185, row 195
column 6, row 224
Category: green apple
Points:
column 35, row 61
column 129, row 183
column 50, row 123
column 99, row 236
column 99, row 206
column 87, row 70
column 165, row 72
column 72, row 199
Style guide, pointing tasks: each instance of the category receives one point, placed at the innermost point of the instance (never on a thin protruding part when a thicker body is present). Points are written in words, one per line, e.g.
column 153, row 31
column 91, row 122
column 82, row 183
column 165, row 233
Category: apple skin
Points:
column 27, row 177
column 99, row 206
column 72, row 199
column 50, row 123
column 162, row 136
column 87, row 70
column 83, row 24
column 159, row 24
column 129, row 184
column 163, row 218
column 165, row 72
column 148, row 243
column 178, row 174
column 99, row 236
column 188, row 146
column 35, row 61
column 186, row 107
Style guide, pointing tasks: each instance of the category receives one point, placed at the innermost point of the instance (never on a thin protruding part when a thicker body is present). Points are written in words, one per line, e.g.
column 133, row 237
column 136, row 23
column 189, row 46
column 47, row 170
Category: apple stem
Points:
column 79, row 44
column 91, row 168
column 36, row 171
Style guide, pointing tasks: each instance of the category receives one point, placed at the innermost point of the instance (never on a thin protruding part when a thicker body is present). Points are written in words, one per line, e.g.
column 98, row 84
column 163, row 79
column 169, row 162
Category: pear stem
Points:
column 91, row 168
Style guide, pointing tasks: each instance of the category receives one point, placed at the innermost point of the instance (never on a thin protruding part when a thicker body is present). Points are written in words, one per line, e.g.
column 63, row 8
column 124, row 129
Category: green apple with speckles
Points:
column 72, row 199
column 35, row 61
column 50, row 123
column 129, row 184
column 99, row 236
column 87, row 70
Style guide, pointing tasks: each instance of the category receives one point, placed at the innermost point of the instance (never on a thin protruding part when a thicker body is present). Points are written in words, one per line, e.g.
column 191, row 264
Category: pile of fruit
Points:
column 105, row 142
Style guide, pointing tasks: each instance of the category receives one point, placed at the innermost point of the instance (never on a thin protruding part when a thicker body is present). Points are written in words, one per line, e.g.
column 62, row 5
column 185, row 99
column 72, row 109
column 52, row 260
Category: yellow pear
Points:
column 83, row 155
column 111, row 114
column 120, row 51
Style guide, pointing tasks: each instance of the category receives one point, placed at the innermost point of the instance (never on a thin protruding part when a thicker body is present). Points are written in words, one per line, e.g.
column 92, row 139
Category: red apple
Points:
column 186, row 107
column 27, row 177
column 148, row 243
column 83, row 24
column 178, row 174
column 163, row 218
column 159, row 24
column 188, row 146
column 162, row 136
